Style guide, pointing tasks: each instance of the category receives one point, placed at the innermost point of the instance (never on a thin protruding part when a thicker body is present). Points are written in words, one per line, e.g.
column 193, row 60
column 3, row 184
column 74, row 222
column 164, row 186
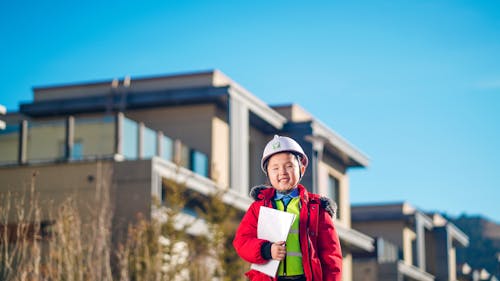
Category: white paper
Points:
column 273, row 225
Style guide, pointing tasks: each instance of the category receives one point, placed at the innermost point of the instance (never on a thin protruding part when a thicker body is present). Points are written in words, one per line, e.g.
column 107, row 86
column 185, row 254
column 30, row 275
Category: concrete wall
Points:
column 258, row 141
column 127, row 185
column 365, row 269
column 131, row 196
column 389, row 272
column 55, row 183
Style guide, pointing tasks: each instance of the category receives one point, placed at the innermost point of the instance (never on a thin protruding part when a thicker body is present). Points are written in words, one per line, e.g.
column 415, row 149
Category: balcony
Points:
column 91, row 138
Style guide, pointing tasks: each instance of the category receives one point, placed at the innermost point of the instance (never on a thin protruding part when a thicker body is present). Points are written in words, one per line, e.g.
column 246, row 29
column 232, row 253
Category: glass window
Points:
column 98, row 135
column 129, row 138
column 414, row 250
column 9, row 144
column 199, row 163
column 77, row 152
column 334, row 191
column 44, row 138
column 167, row 146
column 149, row 143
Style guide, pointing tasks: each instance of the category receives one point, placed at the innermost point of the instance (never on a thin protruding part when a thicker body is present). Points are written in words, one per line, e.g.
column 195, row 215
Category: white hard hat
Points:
column 282, row 144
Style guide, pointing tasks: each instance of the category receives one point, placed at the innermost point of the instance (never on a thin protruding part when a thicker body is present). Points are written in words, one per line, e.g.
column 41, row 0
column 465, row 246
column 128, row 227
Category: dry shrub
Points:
column 169, row 246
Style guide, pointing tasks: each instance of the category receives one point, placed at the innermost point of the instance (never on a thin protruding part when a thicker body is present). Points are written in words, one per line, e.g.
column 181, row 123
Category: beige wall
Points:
column 347, row 267
column 196, row 126
column 219, row 170
column 190, row 124
column 408, row 237
column 344, row 207
column 452, row 263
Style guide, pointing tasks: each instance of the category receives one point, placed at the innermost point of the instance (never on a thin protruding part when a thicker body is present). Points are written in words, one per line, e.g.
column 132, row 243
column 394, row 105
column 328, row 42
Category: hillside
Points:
column 484, row 247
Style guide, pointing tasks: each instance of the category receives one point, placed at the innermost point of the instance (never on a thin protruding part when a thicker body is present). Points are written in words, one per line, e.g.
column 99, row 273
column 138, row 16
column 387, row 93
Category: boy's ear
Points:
column 302, row 169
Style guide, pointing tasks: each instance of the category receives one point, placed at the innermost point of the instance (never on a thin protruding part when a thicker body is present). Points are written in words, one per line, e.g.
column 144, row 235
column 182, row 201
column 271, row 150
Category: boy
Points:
column 312, row 249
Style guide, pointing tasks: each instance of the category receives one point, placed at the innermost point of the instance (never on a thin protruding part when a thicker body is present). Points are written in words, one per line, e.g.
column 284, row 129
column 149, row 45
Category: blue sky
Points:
column 415, row 85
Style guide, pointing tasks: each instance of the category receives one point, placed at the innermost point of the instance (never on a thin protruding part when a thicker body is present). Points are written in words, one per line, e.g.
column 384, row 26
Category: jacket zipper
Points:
column 284, row 260
column 309, row 257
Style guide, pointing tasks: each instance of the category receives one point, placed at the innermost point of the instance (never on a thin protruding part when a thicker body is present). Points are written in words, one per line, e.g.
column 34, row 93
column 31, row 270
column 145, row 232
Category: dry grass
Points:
column 68, row 247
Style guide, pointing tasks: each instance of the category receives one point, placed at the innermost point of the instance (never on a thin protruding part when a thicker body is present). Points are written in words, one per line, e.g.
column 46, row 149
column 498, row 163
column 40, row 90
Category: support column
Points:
column 159, row 144
column 23, row 142
column 119, row 136
column 239, row 144
column 140, row 141
column 70, row 138
column 420, row 241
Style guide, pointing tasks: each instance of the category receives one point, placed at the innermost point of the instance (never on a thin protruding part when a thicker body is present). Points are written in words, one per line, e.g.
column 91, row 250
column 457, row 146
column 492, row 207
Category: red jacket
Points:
column 321, row 253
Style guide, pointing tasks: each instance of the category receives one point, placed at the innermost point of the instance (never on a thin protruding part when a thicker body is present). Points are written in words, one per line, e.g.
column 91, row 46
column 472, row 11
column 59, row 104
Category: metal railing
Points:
column 83, row 138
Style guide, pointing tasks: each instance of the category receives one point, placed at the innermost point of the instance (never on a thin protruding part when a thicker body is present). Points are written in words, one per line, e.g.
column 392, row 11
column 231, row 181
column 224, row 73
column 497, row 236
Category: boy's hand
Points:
column 278, row 250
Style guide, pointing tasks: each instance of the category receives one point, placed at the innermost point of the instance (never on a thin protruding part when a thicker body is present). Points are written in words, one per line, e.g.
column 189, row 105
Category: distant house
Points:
column 128, row 135
column 410, row 245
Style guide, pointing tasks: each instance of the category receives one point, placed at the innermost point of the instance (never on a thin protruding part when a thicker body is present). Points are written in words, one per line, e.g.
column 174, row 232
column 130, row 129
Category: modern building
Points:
column 410, row 245
column 128, row 135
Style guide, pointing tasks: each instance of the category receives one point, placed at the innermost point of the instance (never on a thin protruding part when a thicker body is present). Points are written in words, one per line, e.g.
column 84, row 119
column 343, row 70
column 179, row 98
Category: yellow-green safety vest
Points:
column 292, row 264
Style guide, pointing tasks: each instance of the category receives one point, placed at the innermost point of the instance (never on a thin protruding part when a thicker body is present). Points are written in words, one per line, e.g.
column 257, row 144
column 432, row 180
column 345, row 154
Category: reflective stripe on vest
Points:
column 292, row 265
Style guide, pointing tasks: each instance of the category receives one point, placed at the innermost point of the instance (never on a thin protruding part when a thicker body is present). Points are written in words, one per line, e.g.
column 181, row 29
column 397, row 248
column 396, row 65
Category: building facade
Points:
column 410, row 245
column 202, row 129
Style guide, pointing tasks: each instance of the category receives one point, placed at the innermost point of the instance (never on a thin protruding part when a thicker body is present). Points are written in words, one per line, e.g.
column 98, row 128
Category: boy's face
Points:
column 284, row 171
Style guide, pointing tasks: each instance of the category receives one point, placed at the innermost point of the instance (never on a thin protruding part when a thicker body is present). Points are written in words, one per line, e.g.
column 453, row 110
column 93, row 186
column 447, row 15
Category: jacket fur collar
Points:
column 261, row 192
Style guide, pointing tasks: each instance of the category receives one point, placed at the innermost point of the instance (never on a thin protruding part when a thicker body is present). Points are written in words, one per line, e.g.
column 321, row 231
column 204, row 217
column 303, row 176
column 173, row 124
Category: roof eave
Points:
column 355, row 238
column 358, row 158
